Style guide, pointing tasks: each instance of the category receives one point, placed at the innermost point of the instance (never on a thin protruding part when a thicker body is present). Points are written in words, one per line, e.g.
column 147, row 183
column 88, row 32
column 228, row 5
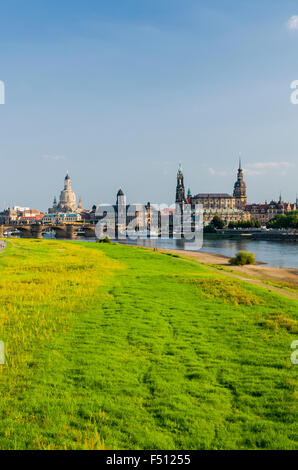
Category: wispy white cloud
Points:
column 257, row 168
column 260, row 168
column 293, row 22
column 263, row 165
column 214, row 172
column 53, row 157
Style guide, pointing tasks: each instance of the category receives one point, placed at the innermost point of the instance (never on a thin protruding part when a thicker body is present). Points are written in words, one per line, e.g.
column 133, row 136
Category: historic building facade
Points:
column 230, row 208
column 265, row 212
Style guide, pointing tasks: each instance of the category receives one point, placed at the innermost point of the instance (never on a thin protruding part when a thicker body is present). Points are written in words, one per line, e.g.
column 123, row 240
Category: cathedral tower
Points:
column 240, row 188
column 180, row 191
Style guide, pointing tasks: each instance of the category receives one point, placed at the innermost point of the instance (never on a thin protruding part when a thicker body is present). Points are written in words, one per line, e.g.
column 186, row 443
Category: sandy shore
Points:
column 259, row 271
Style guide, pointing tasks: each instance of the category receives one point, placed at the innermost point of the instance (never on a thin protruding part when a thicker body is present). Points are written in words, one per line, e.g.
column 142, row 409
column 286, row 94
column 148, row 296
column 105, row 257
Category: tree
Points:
column 217, row 222
column 289, row 220
column 209, row 229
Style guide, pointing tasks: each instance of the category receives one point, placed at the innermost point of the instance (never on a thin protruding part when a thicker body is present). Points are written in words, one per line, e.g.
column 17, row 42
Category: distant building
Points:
column 61, row 218
column 67, row 200
column 8, row 216
column 31, row 216
column 265, row 212
column 220, row 201
column 19, row 214
column 230, row 208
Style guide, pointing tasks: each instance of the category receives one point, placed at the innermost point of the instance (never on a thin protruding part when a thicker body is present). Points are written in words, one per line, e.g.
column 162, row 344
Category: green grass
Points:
column 117, row 347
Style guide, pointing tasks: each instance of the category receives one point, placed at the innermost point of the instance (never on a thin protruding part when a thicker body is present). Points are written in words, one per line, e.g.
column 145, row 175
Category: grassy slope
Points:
column 120, row 347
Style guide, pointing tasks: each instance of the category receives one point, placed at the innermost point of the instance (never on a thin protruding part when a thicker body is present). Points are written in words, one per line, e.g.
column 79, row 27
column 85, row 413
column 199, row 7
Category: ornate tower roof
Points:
column 240, row 186
column 180, row 191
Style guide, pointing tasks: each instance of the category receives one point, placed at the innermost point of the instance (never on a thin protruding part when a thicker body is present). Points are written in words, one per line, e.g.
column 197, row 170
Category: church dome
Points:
column 68, row 200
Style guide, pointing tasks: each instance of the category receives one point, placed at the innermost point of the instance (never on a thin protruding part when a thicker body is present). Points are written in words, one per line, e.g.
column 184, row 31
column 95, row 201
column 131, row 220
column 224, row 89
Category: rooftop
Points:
column 212, row 195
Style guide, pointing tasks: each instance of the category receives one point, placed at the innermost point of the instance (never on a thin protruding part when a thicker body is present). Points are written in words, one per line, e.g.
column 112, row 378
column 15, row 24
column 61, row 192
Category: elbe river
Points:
column 273, row 253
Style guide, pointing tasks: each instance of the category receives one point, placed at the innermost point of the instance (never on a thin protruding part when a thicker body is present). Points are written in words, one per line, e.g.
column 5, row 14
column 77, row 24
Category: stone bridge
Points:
column 69, row 231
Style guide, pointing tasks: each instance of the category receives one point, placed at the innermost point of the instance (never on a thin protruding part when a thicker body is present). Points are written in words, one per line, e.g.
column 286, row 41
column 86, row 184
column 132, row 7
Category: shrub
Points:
column 243, row 258
column 217, row 222
column 209, row 229
column 106, row 240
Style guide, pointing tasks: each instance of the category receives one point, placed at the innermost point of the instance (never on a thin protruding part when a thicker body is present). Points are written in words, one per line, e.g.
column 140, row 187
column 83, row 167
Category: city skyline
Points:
column 170, row 199
column 118, row 94
column 69, row 201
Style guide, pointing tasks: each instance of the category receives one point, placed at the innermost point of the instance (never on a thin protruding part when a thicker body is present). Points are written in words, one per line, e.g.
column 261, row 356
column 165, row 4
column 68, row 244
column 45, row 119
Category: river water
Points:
column 274, row 253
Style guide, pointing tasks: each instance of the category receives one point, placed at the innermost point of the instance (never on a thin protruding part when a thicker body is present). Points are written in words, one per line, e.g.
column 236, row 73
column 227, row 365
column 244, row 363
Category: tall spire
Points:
column 240, row 187
column 180, row 191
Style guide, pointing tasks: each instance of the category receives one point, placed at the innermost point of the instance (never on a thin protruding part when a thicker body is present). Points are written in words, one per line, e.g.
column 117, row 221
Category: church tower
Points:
column 121, row 199
column 240, row 188
column 180, row 191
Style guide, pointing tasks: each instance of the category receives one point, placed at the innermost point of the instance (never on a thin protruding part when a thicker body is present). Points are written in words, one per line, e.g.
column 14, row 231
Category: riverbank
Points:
column 287, row 277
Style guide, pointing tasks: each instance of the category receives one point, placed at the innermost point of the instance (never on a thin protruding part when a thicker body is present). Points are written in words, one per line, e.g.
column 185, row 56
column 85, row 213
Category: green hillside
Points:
column 116, row 347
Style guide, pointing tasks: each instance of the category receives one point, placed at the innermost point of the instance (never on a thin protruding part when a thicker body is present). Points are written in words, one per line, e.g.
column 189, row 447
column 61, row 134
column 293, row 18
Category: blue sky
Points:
column 118, row 91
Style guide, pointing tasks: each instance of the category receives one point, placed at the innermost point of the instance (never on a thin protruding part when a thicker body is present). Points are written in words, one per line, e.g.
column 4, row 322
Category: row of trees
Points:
column 218, row 223
column 246, row 224
column 289, row 221
column 286, row 221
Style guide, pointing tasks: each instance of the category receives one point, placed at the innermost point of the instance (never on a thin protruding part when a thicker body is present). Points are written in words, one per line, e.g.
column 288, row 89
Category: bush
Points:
column 106, row 240
column 209, row 229
column 243, row 258
column 217, row 222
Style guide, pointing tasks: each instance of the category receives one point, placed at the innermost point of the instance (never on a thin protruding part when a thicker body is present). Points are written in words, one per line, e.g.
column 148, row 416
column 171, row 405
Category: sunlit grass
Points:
column 119, row 347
